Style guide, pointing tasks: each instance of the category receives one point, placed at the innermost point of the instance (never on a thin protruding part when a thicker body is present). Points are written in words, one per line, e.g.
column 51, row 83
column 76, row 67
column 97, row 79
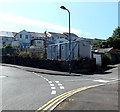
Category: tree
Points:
column 114, row 40
column 105, row 44
column 116, row 33
column 116, row 43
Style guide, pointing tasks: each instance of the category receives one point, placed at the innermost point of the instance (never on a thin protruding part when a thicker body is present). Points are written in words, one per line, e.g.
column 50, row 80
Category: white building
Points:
column 79, row 49
column 23, row 39
column 6, row 38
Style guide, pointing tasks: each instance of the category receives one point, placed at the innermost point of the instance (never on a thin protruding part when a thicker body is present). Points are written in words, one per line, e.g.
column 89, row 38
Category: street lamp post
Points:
column 64, row 8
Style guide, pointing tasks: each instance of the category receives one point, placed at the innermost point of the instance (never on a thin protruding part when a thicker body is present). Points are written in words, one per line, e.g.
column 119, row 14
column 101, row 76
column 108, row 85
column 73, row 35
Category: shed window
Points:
column 62, row 47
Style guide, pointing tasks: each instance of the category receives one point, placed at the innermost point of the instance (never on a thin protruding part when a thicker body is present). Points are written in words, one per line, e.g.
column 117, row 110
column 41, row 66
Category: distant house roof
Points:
column 14, row 33
column 35, row 34
column 6, row 34
column 67, row 34
column 58, row 35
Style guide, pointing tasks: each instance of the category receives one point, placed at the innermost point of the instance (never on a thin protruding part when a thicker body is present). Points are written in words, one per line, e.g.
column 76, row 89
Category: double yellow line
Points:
column 54, row 101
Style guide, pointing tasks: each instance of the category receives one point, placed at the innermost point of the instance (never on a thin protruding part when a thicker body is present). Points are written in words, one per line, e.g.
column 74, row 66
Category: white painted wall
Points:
column 15, row 43
column 23, row 39
column 98, row 59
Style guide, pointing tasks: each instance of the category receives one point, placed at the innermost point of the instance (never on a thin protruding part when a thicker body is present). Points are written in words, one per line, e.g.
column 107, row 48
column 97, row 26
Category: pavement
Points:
column 44, row 71
column 51, row 72
column 102, row 98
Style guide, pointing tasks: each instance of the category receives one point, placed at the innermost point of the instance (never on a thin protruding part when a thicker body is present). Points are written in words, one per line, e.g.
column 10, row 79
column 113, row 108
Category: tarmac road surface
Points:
column 25, row 88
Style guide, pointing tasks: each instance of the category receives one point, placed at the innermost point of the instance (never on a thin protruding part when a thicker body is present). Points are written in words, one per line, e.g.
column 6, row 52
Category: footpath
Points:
column 44, row 71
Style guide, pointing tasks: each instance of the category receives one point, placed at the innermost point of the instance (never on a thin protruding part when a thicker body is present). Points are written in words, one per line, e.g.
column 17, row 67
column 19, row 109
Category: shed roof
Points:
column 105, row 50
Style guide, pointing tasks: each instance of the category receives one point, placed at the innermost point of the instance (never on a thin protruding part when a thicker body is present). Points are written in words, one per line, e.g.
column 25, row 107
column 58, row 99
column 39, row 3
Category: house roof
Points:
column 6, row 34
column 35, row 34
column 14, row 33
column 67, row 34
column 53, row 34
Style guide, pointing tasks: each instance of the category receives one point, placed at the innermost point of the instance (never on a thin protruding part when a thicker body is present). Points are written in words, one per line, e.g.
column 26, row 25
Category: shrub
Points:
column 8, row 46
column 24, row 54
column 106, row 60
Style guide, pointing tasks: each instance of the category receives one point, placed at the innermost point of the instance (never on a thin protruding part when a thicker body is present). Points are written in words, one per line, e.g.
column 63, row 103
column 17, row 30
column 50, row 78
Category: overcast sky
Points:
column 88, row 19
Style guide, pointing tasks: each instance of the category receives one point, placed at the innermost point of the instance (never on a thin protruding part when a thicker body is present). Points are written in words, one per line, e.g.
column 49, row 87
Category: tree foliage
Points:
column 106, row 60
column 113, row 41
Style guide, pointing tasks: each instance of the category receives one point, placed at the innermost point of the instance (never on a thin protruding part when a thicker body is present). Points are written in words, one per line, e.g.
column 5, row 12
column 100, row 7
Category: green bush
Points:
column 24, row 54
column 8, row 46
column 106, row 59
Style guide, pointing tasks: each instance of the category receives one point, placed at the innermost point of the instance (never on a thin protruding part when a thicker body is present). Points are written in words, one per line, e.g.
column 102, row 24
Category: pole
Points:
column 69, row 44
column 64, row 8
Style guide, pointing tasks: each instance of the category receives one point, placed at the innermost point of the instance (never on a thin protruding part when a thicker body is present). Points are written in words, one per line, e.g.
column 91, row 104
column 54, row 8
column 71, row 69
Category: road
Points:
column 25, row 90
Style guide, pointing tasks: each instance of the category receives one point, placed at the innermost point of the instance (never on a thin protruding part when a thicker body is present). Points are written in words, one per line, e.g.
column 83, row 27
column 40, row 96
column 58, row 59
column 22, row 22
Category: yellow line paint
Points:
column 69, row 93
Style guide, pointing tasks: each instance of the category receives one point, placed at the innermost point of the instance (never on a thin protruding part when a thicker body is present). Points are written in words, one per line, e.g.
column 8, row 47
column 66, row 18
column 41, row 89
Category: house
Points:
column 37, row 43
column 79, row 49
column 35, row 35
column 6, row 38
column 23, row 39
column 54, row 38
column 73, row 36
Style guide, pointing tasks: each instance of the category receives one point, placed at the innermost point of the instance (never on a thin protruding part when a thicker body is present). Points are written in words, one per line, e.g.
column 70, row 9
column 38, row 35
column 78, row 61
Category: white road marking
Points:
column 1, row 76
column 34, row 73
column 78, row 80
column 57, row 81
column 47, row 80
column 101, row 80
column 59, row 84
column 41, row 76
column 51, row 84
column 62, row 87
column 52, row 87
column 53, row 92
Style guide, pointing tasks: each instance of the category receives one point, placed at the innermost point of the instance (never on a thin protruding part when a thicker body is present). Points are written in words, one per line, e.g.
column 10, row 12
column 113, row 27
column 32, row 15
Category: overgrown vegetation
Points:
column 24, row 54
column 106, row 59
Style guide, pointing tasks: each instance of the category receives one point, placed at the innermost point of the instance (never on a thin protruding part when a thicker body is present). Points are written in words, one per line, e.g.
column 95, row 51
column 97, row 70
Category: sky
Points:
column 89, row 19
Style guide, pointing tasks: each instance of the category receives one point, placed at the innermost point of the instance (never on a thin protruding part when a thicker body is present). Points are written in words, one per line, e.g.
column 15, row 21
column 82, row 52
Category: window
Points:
column 53, row 38
column 7, row 38
column 20, row 35
column 61, row 42
column 62, row 47
column 38, row 42
column 26, row 37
